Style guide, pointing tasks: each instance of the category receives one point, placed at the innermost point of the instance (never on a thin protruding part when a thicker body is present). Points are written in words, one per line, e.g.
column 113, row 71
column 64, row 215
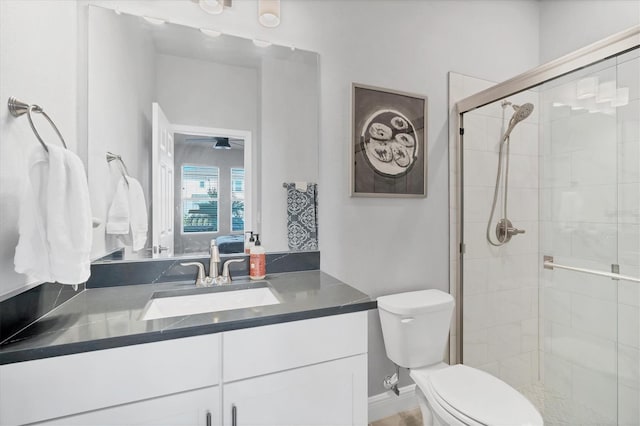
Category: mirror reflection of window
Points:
column 199, row 199
column 237, row 200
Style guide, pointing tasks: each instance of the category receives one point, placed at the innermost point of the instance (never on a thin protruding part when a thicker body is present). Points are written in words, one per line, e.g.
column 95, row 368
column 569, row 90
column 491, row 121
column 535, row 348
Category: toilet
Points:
column 415, row 326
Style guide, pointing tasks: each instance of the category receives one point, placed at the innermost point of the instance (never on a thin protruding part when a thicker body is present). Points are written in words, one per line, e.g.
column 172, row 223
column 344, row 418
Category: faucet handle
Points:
column 226, row 274
column 201, row 280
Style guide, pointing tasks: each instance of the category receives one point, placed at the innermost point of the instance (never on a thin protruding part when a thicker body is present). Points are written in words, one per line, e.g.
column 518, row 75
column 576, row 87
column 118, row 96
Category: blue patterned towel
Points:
column 302, row 217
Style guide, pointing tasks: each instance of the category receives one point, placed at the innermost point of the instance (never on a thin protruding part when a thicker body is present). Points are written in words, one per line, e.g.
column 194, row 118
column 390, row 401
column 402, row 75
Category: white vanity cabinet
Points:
column 138, row 384
column 307, row 372
column 198, row 407
column 311, row 372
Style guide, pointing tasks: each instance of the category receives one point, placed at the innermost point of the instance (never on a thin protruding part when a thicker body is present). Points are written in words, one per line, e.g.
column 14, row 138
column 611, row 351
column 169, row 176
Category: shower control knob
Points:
column 505, row 230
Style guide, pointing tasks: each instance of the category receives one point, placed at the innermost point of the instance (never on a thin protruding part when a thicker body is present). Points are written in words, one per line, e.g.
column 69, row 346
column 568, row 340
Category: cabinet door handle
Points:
column 234, row 415
column 208, row 421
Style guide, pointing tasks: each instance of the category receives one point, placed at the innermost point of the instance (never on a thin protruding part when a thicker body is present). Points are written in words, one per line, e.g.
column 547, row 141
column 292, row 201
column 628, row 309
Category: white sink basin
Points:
column 215, row 300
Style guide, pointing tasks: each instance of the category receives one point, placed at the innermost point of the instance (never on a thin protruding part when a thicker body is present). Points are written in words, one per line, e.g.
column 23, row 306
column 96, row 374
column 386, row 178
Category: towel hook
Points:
column 18, row 108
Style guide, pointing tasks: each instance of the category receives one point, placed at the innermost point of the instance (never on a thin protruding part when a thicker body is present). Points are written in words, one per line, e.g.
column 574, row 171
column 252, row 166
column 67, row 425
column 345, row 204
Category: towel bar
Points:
column 18, row 108
column 123, row 167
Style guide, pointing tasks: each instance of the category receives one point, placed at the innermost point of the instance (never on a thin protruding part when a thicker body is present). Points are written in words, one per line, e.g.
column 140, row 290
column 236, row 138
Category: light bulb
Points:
column 214, row 7
column 269, row 13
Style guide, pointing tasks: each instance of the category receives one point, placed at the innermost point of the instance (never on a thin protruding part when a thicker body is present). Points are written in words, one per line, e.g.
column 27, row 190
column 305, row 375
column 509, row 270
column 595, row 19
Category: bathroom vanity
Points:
column 95, row 361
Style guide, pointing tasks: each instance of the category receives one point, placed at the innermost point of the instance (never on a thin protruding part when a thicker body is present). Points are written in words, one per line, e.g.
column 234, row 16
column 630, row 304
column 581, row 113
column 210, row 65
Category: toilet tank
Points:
column 415, row 326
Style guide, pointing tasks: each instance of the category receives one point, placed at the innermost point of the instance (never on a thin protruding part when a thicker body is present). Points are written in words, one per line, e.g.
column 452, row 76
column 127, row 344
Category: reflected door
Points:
column 162, row 187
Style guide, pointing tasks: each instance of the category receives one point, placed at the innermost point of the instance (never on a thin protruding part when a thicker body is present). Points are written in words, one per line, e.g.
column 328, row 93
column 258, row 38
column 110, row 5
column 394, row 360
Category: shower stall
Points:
column 545, row 231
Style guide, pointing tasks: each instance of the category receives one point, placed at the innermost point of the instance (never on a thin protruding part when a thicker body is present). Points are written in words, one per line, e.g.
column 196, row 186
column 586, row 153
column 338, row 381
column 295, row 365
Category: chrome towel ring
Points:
column 18, row 108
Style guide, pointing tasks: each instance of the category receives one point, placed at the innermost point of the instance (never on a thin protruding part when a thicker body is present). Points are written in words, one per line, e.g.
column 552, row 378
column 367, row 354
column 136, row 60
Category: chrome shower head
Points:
column 522, row 112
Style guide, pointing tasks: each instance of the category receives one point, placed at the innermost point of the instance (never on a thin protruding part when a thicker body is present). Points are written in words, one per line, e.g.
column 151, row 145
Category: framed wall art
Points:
column 389, row 146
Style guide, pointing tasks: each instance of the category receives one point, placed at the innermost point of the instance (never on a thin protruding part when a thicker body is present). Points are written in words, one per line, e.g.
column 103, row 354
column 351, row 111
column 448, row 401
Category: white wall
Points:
column 567, row 25
column 119, row 114
column 38, row 55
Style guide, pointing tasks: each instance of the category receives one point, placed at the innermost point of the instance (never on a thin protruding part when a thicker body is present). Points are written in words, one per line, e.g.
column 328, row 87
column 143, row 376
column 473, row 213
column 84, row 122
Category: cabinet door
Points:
column 193, row 408
column 327, row 394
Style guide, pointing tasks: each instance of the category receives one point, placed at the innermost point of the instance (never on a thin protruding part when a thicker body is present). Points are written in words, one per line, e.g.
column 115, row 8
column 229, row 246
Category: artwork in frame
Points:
column 389, row 147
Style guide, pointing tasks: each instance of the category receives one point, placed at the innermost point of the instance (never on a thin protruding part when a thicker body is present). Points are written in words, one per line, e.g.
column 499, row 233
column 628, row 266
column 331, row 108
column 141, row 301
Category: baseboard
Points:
column 387, row 404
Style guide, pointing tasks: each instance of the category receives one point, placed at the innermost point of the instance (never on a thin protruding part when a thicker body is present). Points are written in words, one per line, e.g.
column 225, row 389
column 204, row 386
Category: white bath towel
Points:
column 55, row 219
column 118, row 216
column 137, row 214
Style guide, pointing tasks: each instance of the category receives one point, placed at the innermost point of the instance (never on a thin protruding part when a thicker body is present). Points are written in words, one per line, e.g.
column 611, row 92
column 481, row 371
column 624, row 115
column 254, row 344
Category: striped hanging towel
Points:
column 302, row 216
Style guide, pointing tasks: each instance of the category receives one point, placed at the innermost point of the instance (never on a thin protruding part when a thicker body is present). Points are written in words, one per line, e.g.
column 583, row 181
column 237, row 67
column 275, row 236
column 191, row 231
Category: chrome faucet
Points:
column 214, row 261
column 201, row 280
column 226, row 275
column 214, row 278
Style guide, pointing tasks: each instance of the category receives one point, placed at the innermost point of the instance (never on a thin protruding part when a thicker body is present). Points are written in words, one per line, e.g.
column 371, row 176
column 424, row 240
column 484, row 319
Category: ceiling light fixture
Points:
column 154, row 21
column 269, row 13
column 213, row 7
column 210, row 33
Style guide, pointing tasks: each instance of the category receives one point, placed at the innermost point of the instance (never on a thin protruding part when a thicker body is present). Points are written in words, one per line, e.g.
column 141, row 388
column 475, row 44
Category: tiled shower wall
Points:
column 500, row 283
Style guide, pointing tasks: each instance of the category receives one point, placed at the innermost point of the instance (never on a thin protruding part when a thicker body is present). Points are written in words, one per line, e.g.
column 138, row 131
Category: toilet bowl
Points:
column 415, row 327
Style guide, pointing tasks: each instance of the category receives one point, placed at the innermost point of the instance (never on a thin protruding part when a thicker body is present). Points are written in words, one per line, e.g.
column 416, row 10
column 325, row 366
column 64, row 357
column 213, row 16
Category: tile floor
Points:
column 405, row 418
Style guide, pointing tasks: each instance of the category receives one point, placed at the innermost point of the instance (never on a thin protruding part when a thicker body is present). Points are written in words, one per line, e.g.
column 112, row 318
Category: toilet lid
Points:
column 483, row 397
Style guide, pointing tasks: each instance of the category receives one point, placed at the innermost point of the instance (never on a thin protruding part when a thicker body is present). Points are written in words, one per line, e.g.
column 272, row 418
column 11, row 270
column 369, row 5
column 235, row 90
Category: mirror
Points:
column 207, row 127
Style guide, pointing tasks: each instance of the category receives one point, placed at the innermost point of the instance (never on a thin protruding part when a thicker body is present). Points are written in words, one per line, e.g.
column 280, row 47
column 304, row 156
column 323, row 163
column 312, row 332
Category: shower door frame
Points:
column 599, row 51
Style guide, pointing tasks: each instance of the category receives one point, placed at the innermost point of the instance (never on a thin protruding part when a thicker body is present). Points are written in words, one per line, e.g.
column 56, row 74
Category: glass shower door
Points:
column 579, row 228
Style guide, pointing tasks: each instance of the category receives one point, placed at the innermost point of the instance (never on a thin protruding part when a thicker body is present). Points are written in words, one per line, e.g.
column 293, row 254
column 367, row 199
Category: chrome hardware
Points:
column 226, row 274
column 162, row 248
column 123, row 167
column 214, row 261
column 201, row 280
column 234, row 415
column 18, row 108
column 505, row 230
column 391, row 381
column 549, row 264
column 208, row 418
column 615, row 269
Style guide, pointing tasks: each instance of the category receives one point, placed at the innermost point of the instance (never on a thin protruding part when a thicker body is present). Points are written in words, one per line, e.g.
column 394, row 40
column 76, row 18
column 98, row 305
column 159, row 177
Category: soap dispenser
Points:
column 257, row 260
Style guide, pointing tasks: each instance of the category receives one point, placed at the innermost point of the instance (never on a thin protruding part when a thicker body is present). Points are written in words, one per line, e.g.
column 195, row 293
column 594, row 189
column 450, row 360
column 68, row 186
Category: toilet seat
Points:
column 474, row 397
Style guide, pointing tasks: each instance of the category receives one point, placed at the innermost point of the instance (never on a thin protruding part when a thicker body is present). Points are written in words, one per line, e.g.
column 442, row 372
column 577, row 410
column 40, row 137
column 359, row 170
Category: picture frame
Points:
column 389, row 143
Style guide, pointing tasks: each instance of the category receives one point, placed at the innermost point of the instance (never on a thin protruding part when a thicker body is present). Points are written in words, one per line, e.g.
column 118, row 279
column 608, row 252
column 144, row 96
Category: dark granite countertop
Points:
column 102, row 318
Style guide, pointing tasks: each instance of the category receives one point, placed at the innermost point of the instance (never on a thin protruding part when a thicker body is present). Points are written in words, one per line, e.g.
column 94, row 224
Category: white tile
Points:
column 629, row 161
column 480, row 168
column 629, row 292
column 523, row 204
column 595, row 241
column 628, row 405
column 557, row 375
column 475, row 347
column 529, row 341
column 629, row 365
column 476, row 313
column 524, row 139
column 523, row 171
column 504, row 341
column 629, row 325
column 476, row 274
column 594, row 316
column 512, row 305
column 629, row 203
column 594, row 166
column 475, row 132
column 509, row 272
column 477, row 203
column 557, row 306
column 555, row 170
column 584, row 349
column 596, row 390
column 516, row 370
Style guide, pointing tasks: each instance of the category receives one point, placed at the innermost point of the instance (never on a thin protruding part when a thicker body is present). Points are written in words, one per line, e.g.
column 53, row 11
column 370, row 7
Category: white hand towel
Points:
column 138, row 214
column 118, row 216
column 32, row 252
column 55, row 223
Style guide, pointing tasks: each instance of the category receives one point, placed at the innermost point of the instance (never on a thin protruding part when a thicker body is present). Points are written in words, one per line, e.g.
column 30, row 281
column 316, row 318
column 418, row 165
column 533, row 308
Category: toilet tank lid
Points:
column 415, row 302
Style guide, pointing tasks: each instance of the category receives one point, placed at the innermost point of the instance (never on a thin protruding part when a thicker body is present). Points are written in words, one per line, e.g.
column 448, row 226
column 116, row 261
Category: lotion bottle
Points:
column 257, row 261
